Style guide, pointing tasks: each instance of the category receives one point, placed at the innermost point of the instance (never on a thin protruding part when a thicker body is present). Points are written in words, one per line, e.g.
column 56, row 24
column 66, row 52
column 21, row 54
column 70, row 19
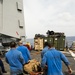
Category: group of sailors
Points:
column 51, row 59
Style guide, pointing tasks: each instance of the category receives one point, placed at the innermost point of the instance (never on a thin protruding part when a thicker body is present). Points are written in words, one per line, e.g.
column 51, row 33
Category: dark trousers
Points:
column 1, row 72
column 45, row 71
column 2, row 66
column 20, row 74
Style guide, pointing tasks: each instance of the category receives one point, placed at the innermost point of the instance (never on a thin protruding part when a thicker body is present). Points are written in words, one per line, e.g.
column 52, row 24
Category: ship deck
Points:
column 37, row 55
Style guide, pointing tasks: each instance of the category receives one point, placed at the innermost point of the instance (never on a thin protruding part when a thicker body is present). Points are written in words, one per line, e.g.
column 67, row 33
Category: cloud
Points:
column 43, row 15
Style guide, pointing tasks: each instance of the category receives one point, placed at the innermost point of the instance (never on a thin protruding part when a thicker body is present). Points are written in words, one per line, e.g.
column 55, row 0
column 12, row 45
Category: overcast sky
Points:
column 43, row 15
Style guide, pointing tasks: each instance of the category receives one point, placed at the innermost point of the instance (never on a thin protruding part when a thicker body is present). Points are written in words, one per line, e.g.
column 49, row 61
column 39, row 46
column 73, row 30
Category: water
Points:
column 31, row 40
column 69, row 39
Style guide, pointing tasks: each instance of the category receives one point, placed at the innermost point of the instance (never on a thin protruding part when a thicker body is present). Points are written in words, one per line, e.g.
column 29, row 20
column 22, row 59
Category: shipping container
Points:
column 38, row 43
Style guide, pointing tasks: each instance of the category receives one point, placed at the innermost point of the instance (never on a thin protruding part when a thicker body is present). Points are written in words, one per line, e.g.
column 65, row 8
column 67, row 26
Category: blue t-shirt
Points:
column 53, row 60
column 25, row 52
column 15, row 59
column 44, row 51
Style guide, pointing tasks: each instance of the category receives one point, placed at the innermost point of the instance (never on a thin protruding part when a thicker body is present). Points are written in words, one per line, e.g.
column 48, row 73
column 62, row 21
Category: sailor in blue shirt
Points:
column 53, row 59
column 45, row 49
column 46, row 44
column 15, row 60
column 25, row 52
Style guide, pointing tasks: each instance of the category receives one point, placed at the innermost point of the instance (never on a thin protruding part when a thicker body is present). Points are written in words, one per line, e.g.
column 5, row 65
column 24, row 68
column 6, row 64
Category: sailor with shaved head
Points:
column 24, row 50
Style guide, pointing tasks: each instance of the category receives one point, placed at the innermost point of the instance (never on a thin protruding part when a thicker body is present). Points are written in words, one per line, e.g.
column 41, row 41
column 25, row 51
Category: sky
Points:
column 54, row 15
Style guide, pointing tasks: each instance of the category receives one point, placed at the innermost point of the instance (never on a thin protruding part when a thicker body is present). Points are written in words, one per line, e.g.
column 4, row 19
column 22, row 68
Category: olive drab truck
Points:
column 57, row 38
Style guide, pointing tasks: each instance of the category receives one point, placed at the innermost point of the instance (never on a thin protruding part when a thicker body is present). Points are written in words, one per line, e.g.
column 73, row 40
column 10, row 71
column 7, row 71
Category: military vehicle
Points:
column 57, row 38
